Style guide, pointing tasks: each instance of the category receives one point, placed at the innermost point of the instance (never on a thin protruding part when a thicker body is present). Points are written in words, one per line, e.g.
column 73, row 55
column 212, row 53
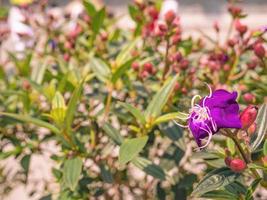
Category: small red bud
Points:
column 153, row 12
column 259, row 50
column 184, row 64
column 104, row 36
column 249, row 98
column 169, row 16
column 176, row 39
column 26, row 85
column 242, row 29
column 248, row 116
column 252, row 129
column 252, row 64
column 162, row 27
column 235, row 11
column 237, row 165
column 232, row 42
column 176, row 86
column 66, row 57
column 216, row 26
column 135, row 66
column 148, row 67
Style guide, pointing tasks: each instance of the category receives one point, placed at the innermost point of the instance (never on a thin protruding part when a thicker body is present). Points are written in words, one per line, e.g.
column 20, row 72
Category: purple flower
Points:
column 218, row 110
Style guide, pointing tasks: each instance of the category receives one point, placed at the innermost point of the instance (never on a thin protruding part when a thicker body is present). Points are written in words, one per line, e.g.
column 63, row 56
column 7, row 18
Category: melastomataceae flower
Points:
column 213, row 112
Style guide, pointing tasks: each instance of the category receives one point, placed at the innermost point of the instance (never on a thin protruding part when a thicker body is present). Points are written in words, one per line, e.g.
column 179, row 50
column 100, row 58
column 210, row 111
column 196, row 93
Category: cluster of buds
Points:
column 169, row 27
column 215, row 61
column 144, row 71
column 235, row 164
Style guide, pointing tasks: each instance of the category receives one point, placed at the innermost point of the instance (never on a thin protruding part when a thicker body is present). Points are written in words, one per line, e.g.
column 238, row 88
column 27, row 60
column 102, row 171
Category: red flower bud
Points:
column 242, row 29
column 252, row 129
column 259, row 50
column 252, row 64
column 26, row 85
column 176, row 86
column 153, row 12
column 175, row 39
column 248, row 116
column 104, row 36
column 237, row 165
column 135, row 66
column 184, row 64
column 169, row 16
column 232, row 42
column 162, row 27
column 148, row 67
column 216, row 26
column 235, row 11
column 249, row 98
column 66, row 57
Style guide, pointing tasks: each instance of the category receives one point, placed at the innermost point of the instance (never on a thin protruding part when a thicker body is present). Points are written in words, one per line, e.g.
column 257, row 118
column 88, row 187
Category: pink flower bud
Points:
column 259, row 50
column 169, row 16
column 252, row 129
column 252, row 64
column 249, row 98
column 237, row 165
column 216, row 26
column 242, row 29
column 231, row 42
column 135, row 66
column 175, row 39
column 66, row 57
column 235, row 11
column 148, row 67
column 162, row 27
column 153, row 12
column 248, row 116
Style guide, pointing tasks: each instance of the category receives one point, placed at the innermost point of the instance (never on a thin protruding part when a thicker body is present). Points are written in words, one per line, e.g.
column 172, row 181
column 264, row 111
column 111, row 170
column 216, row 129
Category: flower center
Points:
column 201, row 114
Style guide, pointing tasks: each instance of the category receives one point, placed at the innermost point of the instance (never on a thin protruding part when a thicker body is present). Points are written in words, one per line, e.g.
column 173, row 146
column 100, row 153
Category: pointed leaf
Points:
column 71, row 172
column 169, row 117
column 28, row 119
column 252, row 188
column 98, row 20
column 148, row 167
column 261, row 122
column 134, row 111
column 131, row 148
column 89, row 7
column 113, row 133
column 100, row 69
column 160, row 99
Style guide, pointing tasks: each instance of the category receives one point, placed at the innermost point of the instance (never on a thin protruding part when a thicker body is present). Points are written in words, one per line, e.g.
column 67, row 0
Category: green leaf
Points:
column 100, row 68
column 130, row 148
column 133, row 11
column 25, row 163
column 89, row 7
column 134, row 111
column 265, row 148
column 160, row 99
column 98, row 20
column 71, row 108
column 252, row 188
column 125, row 53
column 38, row 72
column 215, row 180
column 230, row 145
column 220, row 195
column 71, row 172
column 113, row 133
column 121, row 70
column 170, row 116
column 148, row 167
column 261, row 122
column 28, row 119
column 106, row 174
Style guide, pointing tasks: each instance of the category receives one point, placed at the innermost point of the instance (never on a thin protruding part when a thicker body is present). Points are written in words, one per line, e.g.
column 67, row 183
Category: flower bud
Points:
column 148, row 67
column 26, row 85
column 252, row 129
column 216, row 26
column 184, row 64
column 249, row 98
column 248, row 116
column 235, row 11
column 252, row 64
column 175, row 39
column 237, row 165
column 66, row 57
column 153, row 12
column 162, row 27
column 232, row 42
column 169, row 16
column 135, row 66
column 177, row 86
column 259, row 50
column 242, row 29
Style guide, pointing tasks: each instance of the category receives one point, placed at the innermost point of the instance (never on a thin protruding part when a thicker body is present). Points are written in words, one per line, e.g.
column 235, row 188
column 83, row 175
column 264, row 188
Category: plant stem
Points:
column 166, row 65
column 108, row 103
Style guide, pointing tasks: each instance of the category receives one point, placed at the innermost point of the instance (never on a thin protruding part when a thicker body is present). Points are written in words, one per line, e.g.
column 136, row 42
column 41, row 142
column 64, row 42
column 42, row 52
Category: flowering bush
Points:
column 147, row 113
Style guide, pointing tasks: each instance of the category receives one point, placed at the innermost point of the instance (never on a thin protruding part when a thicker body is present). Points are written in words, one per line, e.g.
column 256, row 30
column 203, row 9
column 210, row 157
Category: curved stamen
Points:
column 193, row 100
column 181, row 125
